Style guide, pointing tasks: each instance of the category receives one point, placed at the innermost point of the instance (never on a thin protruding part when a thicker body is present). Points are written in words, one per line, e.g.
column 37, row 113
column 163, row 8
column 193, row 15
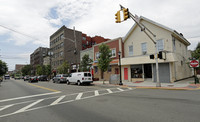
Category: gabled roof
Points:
column 174, row 32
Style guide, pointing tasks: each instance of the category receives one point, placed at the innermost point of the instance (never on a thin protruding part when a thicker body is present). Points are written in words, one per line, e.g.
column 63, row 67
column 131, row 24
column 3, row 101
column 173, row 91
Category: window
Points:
column 144, row 48
column 95, row 69
column 160, row 45
column 130, row 48
column 109, row 68
column 61, row 36
column 113, row 52
column 97, row 55
column 84, row 38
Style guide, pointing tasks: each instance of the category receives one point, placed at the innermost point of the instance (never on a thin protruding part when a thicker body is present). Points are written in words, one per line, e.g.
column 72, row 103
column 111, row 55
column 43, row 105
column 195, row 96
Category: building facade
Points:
column 115, row 46
column 137, row 65
column 62, row 46
column 37, row 58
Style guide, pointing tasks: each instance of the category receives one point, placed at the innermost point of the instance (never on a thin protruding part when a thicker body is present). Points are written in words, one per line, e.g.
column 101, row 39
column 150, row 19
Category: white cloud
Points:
column 37, row 18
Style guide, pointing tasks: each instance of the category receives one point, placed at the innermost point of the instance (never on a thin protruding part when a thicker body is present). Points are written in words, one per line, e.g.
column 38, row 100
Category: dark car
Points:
column 43, row 78
column 33, row 79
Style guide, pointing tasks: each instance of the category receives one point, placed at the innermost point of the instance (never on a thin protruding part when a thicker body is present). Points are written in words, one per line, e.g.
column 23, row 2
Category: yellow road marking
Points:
column 43, row 87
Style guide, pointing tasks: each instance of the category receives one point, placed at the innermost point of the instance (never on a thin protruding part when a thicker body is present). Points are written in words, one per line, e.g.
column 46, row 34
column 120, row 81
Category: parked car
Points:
column 33, row 79
column 43, row 78
column 60, row 78
column 80, row 78
column 7, row 77
column 26, row 78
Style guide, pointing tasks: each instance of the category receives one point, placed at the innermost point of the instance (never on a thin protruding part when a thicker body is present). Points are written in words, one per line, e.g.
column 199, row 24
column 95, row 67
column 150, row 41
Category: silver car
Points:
column 60, row 78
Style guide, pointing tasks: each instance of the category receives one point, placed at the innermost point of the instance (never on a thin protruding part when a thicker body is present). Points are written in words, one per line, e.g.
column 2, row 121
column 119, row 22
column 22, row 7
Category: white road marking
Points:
column 79, row 96
column 96, row 93
column 28, row 106
column 7, row 106
column 109, row 91
column 58, row 100
column 17, row 98
column 130, row 88
column 26, row 109
column 120, row 89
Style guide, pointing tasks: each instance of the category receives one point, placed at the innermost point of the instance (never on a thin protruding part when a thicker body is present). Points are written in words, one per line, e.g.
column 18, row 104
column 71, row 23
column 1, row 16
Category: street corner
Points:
column 194, row 87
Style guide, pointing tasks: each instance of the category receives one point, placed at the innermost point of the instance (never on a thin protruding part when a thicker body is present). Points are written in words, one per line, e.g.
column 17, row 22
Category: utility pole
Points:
column 127, row 14
column 75, row 50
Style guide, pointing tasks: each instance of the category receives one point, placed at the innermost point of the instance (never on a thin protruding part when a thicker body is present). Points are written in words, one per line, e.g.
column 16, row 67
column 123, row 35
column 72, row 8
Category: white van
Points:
column 79, row 78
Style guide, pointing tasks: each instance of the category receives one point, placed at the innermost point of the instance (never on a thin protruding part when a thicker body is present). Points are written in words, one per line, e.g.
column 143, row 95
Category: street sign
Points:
column 194, row 63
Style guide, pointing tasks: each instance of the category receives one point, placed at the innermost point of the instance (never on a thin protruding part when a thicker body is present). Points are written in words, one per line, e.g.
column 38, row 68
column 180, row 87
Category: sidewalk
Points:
column 186, row 84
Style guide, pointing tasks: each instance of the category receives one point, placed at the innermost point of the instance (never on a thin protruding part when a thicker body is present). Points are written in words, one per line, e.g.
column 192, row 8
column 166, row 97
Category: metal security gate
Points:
column 164, row 72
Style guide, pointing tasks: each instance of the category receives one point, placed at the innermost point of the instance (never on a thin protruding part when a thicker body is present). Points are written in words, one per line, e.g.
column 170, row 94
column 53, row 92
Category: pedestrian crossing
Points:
column 19, row 107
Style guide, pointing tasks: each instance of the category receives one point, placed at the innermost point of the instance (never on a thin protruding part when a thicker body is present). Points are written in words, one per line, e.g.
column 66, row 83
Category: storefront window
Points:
column 136, row 71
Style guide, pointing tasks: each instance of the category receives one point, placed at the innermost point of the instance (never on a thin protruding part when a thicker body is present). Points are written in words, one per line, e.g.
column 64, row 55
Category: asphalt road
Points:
column 49, row 102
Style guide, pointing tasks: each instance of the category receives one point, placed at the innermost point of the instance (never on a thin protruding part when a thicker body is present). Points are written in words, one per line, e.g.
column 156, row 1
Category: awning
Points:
column 113, row 62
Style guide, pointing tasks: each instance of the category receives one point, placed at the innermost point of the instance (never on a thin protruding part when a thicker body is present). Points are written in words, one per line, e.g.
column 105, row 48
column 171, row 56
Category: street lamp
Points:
column 120, row 77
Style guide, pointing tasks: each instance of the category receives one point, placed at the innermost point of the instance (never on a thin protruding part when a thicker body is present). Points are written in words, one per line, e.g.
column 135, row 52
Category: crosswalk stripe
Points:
column 5, row 107
column 120, row 89
column 130, row 88
column 58, row 100
column 28, row 106
column 79, row 96
column 109, row 91
column 96, row 92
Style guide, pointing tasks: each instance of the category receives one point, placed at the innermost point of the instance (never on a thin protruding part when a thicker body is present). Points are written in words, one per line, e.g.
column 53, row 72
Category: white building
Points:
column 137, row 65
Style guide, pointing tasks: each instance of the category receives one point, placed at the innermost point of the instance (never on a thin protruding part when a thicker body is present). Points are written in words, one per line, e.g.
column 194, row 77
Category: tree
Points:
column 104, row 58
column 3, row 68
column 63, row 69
column 39, row 70
column 196, row 52
column 85, row 63
column 26, row 70
column 48, row 69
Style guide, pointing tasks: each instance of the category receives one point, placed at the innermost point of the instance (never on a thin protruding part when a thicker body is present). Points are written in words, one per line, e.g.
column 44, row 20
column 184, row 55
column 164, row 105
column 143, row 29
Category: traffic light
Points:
column 126, row 13
column 151, row 56
column 117, row 17
column 160, row 56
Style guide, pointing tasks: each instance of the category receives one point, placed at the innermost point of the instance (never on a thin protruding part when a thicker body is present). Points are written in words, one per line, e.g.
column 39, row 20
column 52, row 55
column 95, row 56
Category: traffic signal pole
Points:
column 144, row 28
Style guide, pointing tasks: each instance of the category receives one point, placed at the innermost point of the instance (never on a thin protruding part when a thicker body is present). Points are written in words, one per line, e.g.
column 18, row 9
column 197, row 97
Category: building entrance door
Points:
column 147, row 71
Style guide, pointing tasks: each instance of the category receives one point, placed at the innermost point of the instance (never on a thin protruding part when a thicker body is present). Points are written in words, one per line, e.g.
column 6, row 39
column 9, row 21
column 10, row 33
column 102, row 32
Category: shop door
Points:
column 125, row 73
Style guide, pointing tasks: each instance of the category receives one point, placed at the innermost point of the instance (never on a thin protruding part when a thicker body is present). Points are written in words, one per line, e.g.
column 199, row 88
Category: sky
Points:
column 26, row 25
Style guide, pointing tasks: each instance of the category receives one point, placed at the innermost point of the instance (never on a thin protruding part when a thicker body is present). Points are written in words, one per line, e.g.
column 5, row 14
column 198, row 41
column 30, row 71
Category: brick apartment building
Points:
column 36, row 58
column 62, row 46
column 18, row 67
column 115, row 46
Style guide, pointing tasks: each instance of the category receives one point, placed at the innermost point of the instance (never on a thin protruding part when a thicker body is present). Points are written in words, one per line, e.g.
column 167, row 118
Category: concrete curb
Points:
column 150, row 87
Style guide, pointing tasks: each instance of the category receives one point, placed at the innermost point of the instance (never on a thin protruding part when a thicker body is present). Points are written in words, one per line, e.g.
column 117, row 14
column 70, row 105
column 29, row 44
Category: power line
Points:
column 18, row 32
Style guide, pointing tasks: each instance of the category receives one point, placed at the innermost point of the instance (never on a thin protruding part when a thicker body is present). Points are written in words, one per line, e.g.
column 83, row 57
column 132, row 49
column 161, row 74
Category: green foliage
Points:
column 196, row 52
column 39, row 70
column 43, row 70
column 104, row 58
column 3, row 68
column 63, row 69
column 48, row 69
column 85, row 63
column 26, row 70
